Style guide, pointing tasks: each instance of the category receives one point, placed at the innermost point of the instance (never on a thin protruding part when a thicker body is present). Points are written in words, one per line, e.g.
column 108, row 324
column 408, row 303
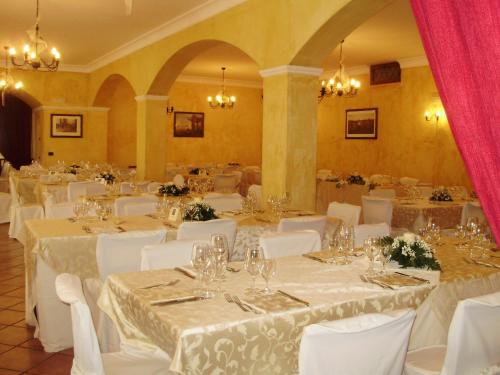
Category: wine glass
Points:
column 371, row 249
column 267, row 269
column 384, row 256
column 461, row 235
column 203, row 262
column 253, row 257
column 78, row 208
column 221, row 254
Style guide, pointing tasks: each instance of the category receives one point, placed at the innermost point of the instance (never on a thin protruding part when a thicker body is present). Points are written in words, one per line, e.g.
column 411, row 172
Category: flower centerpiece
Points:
column 355, row 179
column 441, row 195
column 409, row 250
column 73, row 169
column 195, row 171
column 106, row 177
column 199, row 212
column 172, row 189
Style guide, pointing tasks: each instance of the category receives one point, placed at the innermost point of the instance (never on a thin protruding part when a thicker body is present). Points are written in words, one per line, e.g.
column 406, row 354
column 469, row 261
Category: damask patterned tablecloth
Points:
column 216, row 337
column 414, row 214
column 31, row 190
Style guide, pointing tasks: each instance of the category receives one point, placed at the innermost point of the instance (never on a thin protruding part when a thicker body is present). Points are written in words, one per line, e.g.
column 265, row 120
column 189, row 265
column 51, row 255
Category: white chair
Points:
column 225, row 183
column 87, row 355
column 137, row 209
column 277, row 245
column 383, row 193
column 126, row 188
column 63, row 210
column 171, row 254
column 256, row 190
column 123, row 202
column 473, row 341
column 202, row 230
column 153, row 187
column 84, row 188
column 179, row 180
column 224, row 202
column 376, row 210
column 408, row 181
column 364, row 231
column 5, row 200
column 472, row 209
column 366, row 344
column 317, row 223
column 348, row 213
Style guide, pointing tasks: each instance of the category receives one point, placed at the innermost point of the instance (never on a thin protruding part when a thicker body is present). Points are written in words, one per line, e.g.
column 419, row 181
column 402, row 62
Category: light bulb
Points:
column 427, row 115
column 18, row 85
column 209, row 99
column 33, row 55
column 357, row 84
column 323, row 83
column 233, row 98
column 331, row 82
column 218, row 98
column 12, row 51
column 26, row 48
column 339, row 86
column 3, row 83
column 438, row 114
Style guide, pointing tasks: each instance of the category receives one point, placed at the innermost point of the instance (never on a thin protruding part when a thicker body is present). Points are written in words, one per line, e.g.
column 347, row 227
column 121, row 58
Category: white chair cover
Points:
column 383, row 193
column 121, row 203
column 364, row 231
column 62, row 210
column 225, row 183
column 84, row 188
column 87, row 357
column 5, row 200
column 257, row 191
column 153, row 187
column 348, row 213
column 366, row 344
column 317, row 223
column 473, row 341
column 472, row 209
column 126, row 188
column 224, row 202
column 168, row 255
column 277, row 245
column 408, row 181
column 6, row 168
column 376, row 210
column 48, row 178
column 202, row 230
column 179, row 180
column 136, row 209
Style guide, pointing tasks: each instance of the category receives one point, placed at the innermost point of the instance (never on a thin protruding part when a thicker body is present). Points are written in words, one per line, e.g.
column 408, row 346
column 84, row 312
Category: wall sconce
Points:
column 436, row 115
column 169, row 110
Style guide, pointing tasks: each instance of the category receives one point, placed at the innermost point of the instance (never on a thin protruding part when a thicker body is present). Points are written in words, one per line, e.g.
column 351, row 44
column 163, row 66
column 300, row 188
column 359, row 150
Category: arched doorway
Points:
column 16, row 131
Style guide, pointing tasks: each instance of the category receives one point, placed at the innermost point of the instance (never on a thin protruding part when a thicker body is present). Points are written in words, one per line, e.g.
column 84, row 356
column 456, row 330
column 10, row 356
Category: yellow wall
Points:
column 407, row 145
column 233, row 135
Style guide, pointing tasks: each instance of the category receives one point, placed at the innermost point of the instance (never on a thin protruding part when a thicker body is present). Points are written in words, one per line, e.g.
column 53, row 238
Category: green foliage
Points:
column 199, row 212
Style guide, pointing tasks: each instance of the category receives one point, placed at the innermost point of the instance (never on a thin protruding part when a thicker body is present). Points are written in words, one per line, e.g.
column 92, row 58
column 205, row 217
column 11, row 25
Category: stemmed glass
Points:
column 221, row 253
column 78, row 210
column 384, row 256
column 461, row 235
column 253, row 258
column 372, row 249
column 267, row 270
column 204, row 263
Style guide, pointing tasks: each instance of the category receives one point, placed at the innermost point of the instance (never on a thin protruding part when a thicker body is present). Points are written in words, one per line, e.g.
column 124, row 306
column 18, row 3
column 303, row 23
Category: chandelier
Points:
column 340, row 84
column 221, row 99
column 6, row 80
column 36, row 54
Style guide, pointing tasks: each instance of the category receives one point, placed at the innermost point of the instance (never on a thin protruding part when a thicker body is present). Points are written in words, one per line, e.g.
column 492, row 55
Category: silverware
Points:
column 376, row 282
column 87, row 229
column 293, row 297
column 229, row 299
column 246, row 306
column 413, row 277
column 176, row 300
column 71, row 219
column 184, row 272
column 121, row 229
column 237, row 301
column 170, row 283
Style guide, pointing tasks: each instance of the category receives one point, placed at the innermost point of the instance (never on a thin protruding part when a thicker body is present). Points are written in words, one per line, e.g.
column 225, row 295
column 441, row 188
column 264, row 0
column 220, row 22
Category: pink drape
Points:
column 462, row 42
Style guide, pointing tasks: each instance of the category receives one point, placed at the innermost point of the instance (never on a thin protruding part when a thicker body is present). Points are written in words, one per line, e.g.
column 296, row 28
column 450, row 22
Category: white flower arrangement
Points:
column 409, row 250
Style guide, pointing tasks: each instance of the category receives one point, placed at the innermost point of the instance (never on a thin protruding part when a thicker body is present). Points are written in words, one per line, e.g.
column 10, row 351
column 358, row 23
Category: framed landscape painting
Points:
column 189, row 124
column 66, row 126
column 361, row 123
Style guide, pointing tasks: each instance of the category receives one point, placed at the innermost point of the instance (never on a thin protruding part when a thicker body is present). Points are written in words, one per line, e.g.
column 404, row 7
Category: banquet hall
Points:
column 249, row 186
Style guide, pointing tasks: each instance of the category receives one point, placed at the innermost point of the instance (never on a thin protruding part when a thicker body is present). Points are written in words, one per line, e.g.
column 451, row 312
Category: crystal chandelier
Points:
column 221, row 99
column 340, row 84
column 36, row 54
column 6, row 81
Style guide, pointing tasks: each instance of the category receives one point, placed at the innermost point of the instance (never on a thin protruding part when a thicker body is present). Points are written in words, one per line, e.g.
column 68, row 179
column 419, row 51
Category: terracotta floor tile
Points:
column 32, row 344
column 4, row 348
column 16, row 281
column 6, row 288
column 9, row 317
column 15, row 335
column 6, row 301
column 22, row 324
column 68, row 352
column 21, row 359
column 56, row 365
column 19, row 307
column 9, row 372
column 19, row 292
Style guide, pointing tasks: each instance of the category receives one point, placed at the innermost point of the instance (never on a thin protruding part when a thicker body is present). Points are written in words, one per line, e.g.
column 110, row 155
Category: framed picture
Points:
column 189, row 124
column 385, row 73
column 361, row 123
column 66, row 126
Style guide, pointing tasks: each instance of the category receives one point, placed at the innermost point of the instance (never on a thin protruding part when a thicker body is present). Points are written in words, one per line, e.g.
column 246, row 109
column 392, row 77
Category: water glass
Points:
column 384, row 256
column 267, row 270
column 372, row 248
column 220, row 250
column 204, row 263
column 253, row 258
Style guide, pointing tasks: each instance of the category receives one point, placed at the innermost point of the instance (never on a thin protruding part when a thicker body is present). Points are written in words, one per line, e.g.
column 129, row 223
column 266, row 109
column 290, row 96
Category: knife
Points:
column 178, row 269
column 293, row 297
column 175, row 300
column 413, row 277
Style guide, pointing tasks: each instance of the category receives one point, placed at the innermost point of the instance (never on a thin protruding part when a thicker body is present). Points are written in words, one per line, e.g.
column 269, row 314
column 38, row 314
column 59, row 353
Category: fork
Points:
column 229, row 299
column 170, row 283
column 248, row 307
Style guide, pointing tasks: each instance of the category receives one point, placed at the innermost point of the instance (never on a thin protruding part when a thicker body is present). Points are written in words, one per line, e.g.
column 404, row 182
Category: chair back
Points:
column 202, row 230
column 84, row 188
column 122, row 203
column 225, row 183
column 348, row 213
column 153, row 187
column 408, row 181
column 472, row 209
column 126, row 188
column 383, row 193
column 381, row 338
column 473, row 342
column 317, row 223
column 121, row 252
column 63, row 210
column 179, row 180
column 171, row 254
column 377, row 210
column 364, row 231
column 224, row 202
column 87, row 355
column 137, row 209
column 277, row 244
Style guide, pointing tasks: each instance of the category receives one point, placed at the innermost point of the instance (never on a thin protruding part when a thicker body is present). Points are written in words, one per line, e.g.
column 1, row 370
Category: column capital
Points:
column 291, row 69
column 153, row 98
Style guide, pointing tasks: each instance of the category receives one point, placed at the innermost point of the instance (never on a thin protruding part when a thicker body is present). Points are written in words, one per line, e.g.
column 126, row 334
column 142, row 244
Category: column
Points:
column 289, row 133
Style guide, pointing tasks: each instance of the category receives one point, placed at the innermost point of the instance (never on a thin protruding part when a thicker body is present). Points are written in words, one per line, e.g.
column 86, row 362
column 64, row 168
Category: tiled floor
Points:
column 20, row 353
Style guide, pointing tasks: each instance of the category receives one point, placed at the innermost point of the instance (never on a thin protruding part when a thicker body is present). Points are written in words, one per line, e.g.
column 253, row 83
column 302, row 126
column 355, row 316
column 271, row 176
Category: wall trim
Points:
column 290, row 69
column 154, row 98
column 216, row 81
column 70, row 108
column 413, row 62
column 74, row 68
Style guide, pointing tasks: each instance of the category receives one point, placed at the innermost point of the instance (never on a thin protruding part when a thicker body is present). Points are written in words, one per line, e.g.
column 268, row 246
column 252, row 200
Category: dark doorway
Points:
column 15, row 131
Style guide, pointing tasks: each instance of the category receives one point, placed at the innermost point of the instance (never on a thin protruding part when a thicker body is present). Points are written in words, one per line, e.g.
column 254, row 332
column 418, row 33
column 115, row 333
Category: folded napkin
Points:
column 166, row 296
column 395, row 280
column 187, row 271
column 274, row 302
column 491, row 261
column 101, row 229
column 321, row 256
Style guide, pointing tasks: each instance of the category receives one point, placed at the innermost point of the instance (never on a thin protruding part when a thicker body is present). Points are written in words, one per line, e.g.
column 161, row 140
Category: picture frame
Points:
column 66, row 125
column 361, row 123
column 189, row 124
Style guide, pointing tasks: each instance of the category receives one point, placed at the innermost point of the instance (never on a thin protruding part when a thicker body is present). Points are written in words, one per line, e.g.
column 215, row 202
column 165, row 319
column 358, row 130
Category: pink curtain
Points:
column 462, row 42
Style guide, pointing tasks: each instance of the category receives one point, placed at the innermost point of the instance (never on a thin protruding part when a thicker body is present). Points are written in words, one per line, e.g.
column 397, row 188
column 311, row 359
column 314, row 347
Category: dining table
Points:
column 332, row 191
column 31, row 190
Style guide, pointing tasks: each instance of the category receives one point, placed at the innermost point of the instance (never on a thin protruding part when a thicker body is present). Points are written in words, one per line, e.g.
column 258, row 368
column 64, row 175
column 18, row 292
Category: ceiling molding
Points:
column 413, row 62
column 191, row 17
column 74, row 68
column 154, row 98
column 70, row 108
column 217, row 81
column 291, row 69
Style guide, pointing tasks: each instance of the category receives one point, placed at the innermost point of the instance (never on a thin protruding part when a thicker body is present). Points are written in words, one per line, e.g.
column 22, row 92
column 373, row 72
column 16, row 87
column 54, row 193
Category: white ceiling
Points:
column 89, row 33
